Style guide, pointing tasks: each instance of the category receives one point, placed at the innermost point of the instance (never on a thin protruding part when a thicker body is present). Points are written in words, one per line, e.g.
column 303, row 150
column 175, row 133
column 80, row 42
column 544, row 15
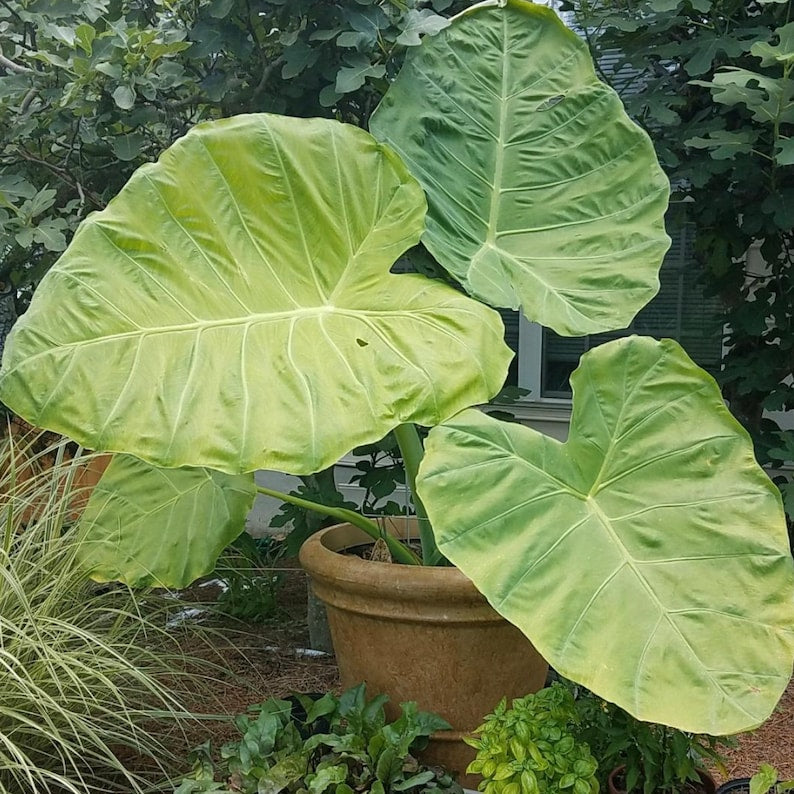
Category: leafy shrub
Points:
column 78, row 679
column 533, row 747
column 323, row 743
column 250, row 582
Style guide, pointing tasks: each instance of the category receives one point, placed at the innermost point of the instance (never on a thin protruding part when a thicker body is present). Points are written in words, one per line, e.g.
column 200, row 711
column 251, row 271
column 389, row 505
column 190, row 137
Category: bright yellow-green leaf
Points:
column 647, row 557
column 233, row 308
column 153, row 527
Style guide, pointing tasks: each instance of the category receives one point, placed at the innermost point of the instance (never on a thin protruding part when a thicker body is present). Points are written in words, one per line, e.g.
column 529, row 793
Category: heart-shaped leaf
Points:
column 541, row 191
column 233, row 308
column 647, row 557
column 161, row 527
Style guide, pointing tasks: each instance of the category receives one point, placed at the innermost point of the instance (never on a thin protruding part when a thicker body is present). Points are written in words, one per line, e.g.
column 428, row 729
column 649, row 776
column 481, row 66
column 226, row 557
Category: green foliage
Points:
column 314, row 744
column 140, row 498
column 656, row 758
column 768, row 778
column 81, row 674
column 519, row 222
column 234, row 308
column 712, row 83
column 379, row 472
column 91, row 89
column 250, row 583
column 533, row 748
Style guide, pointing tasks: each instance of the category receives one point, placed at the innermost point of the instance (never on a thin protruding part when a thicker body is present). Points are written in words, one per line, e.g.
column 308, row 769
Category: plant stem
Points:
column 412, row 451
column 398, row 551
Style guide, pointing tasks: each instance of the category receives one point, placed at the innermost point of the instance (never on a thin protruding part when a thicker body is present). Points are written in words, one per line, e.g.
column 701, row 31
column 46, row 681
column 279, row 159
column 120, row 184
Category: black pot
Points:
column 739, row 785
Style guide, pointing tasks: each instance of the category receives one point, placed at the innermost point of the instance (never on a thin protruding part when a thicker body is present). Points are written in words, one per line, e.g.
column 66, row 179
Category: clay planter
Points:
column 422, row 634
column 86, row 475
column 708, row 785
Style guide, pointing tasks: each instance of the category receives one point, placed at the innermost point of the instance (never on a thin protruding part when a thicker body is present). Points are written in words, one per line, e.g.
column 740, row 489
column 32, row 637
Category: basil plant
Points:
column 233, row 309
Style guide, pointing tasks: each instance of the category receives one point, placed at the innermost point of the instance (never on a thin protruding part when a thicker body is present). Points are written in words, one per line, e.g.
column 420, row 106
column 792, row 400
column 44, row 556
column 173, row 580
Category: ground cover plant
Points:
column 81, row 668
column 248, row 577
column 317, row 743
column 207, row 338
column 655, row 758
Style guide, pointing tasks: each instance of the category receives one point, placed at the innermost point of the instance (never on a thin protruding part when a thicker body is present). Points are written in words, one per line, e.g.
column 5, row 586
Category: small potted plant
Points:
column 533, row 748
column 233, row 309
column 764, row 780
column 645, row 758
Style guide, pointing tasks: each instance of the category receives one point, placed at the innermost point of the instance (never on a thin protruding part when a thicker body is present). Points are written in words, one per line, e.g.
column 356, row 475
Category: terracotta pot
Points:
column 32, row 469
column 708, row 784
column 423, row 634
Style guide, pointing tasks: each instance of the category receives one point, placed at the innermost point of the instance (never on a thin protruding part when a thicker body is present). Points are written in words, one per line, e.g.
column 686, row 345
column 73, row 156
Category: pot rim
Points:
column 322, row 558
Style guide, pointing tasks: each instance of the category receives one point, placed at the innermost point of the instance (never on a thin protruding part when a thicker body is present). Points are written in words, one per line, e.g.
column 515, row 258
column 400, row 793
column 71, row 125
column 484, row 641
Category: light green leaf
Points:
column 782, row 52
column 418, row 23
column 110, row 69
column 647, row 557
column 326, row 777
column 157, row 49
column 784, row 151
column 725, row 144
column 24, row 237
column 85, row 35
column 352, row 77
column 763, row 780
column 50, row 234
column 61, row 33
column 761, row 94
column 161, row 527
column 124, row 97
column 233, row 307
column 541, row 191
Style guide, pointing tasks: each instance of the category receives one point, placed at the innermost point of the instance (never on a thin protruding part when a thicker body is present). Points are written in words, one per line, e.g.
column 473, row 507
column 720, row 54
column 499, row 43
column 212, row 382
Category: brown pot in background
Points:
column 33, row 462
column 708, row 784
column 423, row 634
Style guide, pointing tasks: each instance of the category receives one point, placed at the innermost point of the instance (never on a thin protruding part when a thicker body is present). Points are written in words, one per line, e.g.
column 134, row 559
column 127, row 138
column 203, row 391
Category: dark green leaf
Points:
column 128, row 147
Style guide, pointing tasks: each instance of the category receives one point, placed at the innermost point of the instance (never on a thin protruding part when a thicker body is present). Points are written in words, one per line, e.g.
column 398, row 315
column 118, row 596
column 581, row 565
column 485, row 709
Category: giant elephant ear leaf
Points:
column 646, row 557
column 233, row 308
column 151, row 527
column 542, row 193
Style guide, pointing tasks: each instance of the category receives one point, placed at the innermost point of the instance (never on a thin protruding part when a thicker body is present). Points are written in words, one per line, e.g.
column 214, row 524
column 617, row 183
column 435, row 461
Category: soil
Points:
column 254, row 662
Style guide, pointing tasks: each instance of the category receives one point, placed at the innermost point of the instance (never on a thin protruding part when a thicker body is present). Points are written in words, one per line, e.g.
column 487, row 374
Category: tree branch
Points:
column 64, row 176
column 266, row 72
column 14, row 67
